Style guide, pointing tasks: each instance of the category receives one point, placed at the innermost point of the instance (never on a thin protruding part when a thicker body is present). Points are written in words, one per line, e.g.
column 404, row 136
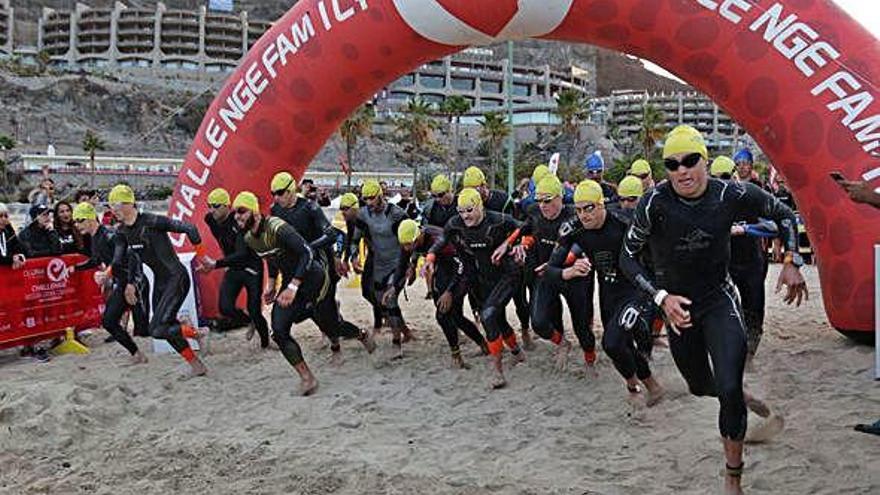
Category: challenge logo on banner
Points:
column 44, row 298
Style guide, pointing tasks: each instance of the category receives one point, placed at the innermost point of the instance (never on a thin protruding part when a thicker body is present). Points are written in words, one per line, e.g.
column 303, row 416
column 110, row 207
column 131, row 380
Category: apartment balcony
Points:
column 135, row 45
column 180, row 33
column 224, row 52
column 134, row 29
column 222, row 37
column 95, row 31
column 168, row 22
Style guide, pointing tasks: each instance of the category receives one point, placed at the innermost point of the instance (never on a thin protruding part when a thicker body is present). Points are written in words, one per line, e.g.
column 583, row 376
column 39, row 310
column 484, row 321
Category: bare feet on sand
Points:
column 560, row 359
column 458, row 361
column 367, row 340
column 528, row 342
column 137, row 358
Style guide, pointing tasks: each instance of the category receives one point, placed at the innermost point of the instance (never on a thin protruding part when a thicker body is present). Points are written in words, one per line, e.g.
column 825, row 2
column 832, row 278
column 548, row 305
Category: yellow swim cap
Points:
column 589, row 191
column 469, row 197
column 441, row 184
column 371, row 189
column 248, row 200
column 630, row 187
column 722, row 165
column 348, row 200
column 407, row 232
column 473, row 177
column 121, row 193
column 218, row 196
column 540, row 172
column 549, row 186
column 282, row 181
column 684, row 139
column 84, row 211
column 640, row 167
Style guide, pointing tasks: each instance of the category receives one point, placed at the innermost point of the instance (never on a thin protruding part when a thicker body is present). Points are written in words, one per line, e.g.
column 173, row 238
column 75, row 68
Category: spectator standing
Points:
column 70, row 238
column 44, row 195
column 39, row 238
column 11, row 250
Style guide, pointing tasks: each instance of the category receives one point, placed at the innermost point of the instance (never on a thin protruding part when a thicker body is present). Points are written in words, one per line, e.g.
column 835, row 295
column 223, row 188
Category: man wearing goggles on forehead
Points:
column 146, row 234
column 244, row 269
column 685, row 225
column 538, row 237
column 477, row 234
column 377, row 224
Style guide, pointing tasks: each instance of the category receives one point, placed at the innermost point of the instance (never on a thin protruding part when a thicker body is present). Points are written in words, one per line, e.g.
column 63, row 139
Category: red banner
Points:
column 43, row 298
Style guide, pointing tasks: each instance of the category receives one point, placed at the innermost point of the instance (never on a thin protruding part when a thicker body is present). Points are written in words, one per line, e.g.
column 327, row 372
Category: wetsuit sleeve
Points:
column 94, row 260
column 165, row 224
column 426, row 212
column 239, row 258
column 442, row 239
column 354, row 238
column 764, row 229
column 556, row 263
column 634, row 244
column 757, row 201
column 398, row 280
column 458, row 285
column 328, row 233
column 290, row 240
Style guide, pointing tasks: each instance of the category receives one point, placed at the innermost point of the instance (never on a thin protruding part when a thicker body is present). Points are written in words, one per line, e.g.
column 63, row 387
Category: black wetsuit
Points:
column 127, row 271
column 148, row 238
column 546, row 307
column 437, row 214
column 621, row 305
column 748, row 270
column 493, row 286
column 501, row 202
column 244, row 270
column 288, row 253
column 449, row 276
column 689, row 244
column 309, row 221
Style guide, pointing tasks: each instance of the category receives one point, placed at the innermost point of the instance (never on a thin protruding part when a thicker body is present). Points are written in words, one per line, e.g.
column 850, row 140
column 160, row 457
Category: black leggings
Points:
column 453, row 320
column 547, row 309
column 301, row 309
column 369, row 294
column 252, row 283
column 493, row 307
column 115, row 307
column 168, row 297
column 717, row 334
column 619, row 344
column 329, row 319
column 749, row 281
column 521, row 302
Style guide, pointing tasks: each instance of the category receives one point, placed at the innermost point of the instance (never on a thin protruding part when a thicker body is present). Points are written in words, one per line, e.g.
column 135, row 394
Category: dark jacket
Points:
column 39, row 242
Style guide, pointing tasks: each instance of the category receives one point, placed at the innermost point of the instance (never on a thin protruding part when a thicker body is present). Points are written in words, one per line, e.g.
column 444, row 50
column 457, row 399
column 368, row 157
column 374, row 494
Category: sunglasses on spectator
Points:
column 467, row 210
column 590, row 208
column 690, row 161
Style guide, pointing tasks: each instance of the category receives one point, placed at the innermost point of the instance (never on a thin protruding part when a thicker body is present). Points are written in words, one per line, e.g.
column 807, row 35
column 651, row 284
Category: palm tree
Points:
column 572, row 108
column 651, row 129
column 415, row 129
column 453, row 108
column 91, row 144
column 6, row 144
column 494, row 128
column 358, row 125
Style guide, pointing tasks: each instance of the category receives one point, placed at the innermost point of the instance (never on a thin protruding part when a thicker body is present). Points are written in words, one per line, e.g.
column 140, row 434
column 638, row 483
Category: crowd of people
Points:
column 685, row 256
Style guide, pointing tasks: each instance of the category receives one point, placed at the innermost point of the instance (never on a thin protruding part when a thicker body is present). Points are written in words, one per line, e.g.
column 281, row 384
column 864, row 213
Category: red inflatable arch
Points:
column 800, row 75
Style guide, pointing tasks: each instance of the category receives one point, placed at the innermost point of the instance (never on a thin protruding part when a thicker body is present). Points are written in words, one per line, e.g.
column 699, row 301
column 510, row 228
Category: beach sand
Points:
column 87, row 424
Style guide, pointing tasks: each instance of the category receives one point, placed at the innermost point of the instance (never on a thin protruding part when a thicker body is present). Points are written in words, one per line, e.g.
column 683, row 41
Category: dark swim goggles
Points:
column 690, row 161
